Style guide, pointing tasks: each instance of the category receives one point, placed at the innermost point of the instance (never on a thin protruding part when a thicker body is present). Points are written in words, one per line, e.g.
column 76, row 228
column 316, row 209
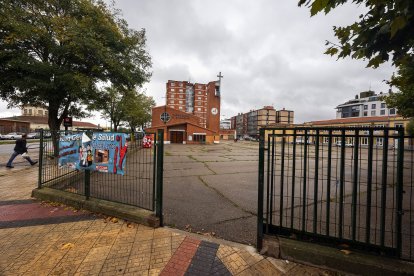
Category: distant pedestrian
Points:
column 20, row 148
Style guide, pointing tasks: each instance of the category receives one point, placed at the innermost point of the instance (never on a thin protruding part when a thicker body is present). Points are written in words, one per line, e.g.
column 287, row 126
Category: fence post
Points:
column 160, row 171
column 400, row 179
column 260, row 190
column 154, row 172
column 88, row 175
column 41, row 148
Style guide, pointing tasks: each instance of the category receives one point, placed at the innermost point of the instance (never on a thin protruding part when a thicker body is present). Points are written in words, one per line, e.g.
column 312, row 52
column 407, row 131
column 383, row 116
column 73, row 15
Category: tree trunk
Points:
column 54, row 121
column 54, row 127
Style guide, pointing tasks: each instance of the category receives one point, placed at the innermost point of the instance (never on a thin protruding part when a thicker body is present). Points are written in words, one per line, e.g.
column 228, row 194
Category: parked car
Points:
column 33, row 135
column 139, row 134
column 248, row 138
column 12, row 135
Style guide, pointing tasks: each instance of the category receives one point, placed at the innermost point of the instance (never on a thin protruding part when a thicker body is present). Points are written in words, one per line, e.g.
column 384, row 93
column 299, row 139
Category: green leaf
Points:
column 375, row 62
column 331, row 51
column 318, row 6
column 397, row 24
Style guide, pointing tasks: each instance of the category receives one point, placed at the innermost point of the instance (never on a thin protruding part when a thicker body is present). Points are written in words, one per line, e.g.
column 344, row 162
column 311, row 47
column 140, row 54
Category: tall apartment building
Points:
column 367, row 104
column 250, row 123
column 191, row 113
column 188, row 97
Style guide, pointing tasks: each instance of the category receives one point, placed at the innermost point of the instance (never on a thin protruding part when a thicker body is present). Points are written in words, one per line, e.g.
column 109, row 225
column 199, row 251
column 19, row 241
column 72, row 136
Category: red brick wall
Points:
column 213, row 101
column 7, row 126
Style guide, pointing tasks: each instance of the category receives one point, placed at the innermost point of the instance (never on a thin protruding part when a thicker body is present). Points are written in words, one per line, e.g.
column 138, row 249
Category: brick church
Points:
column 191, row 114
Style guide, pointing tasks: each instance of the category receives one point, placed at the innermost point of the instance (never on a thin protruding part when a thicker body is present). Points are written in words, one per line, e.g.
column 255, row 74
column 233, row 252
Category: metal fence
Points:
column 337, row 186
column 141, row 185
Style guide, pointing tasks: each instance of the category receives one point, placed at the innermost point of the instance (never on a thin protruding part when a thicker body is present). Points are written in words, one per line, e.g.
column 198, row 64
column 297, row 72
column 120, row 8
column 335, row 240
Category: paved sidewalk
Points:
column 49, row 239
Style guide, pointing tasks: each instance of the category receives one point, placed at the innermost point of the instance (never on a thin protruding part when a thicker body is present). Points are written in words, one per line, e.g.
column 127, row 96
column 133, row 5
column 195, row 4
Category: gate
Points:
column 337, row 186
column 141, row 185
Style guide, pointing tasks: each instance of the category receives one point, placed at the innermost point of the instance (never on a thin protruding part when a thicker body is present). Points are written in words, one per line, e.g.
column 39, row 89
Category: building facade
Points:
column 29, row 110
column 14, row 125
column 366, row 104
column 38, row 122
column 191, row 113
column 225, row 124
column 249, row 124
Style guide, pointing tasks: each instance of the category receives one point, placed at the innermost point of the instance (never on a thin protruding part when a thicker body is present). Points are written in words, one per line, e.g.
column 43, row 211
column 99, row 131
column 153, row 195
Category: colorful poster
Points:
column 69, row 148
column 103, row 152
column 107, row 152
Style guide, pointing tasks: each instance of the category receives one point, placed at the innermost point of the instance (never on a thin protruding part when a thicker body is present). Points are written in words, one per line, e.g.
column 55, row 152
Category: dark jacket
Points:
column 20, row 146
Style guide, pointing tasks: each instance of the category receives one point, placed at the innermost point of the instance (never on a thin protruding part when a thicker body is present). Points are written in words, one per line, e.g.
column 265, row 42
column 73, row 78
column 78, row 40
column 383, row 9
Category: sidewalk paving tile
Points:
column 49, row 239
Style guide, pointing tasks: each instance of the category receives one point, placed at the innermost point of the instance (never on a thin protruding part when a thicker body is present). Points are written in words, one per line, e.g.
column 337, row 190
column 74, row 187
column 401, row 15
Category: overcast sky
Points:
column 270, row 53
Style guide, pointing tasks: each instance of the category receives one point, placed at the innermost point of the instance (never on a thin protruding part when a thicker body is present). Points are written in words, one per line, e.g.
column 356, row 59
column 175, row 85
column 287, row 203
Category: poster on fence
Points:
column 69, row 148
column 104, row 152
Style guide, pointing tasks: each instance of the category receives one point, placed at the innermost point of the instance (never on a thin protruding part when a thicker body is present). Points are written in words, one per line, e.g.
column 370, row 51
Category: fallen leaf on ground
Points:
column 346, row 252
column 114, row 220
column 67, row 246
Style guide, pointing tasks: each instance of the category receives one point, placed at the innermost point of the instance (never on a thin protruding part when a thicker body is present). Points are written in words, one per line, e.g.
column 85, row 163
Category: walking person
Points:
column 20, row 148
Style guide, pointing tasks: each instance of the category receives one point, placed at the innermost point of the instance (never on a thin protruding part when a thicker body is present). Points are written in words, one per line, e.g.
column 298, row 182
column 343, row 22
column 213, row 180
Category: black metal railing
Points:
column 338, row 185
column 141, row 185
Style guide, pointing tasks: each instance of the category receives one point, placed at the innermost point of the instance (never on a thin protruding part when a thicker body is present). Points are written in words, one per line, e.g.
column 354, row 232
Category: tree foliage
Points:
column 383, row 33
column 404, row 82
column 53, row 53
column 125, row 107
column 139, row 111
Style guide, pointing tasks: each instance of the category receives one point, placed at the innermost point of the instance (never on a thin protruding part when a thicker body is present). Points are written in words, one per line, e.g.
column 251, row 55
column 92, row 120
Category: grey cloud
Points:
column 270, row 52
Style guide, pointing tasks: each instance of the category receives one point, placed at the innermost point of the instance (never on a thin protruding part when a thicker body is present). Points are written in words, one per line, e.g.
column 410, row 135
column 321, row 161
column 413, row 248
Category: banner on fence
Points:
column 69, row 148
column 104, row 152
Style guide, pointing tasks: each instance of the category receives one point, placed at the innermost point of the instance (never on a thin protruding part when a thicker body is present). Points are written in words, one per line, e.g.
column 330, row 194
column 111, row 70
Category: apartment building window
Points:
column 199, row 103
column 373, row 106
column 180, row 84
column 173, row 84
column 382, row 112
column 171, row 102
column 382, row 105
column 198, row 109
column 180, row 102
column 199, row 86
column 180, row 96
column 199, row 98
column 40, row 112
column 30, row 111
column 199, row 92
column 380, row 141
column 172, row 89
column 172, row 96
column 392, row 111
column 364, row 141
column 45, row 113
column 365, row 107
column 180, row 107
column 373, row 113
column 365, row 113
column 181, row 90
column 25, row 111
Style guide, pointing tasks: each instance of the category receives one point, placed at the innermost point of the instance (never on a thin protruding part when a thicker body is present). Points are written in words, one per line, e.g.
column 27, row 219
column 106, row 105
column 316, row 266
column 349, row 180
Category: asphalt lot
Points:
column 212, row 189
